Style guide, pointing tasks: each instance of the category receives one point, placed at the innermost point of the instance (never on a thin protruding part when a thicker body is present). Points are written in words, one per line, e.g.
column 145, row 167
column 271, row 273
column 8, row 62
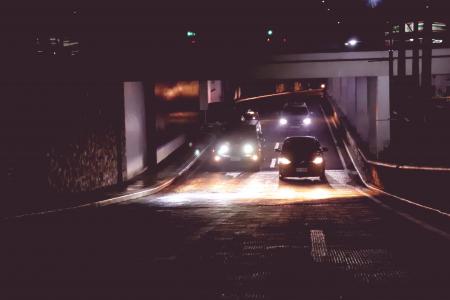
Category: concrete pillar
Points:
column 415, row 60
column 426, row 60
column 351, row 99
column 379, row 113
column 135, row 129
column 150, row 109
column 401, row 72
column 203, row 95
column 362, row 120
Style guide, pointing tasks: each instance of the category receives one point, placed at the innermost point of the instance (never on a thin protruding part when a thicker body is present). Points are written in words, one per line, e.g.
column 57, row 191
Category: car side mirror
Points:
column 324, row 149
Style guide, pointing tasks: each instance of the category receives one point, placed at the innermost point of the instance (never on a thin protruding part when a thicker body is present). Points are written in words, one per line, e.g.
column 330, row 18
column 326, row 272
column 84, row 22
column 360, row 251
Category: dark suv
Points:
column 241, row 146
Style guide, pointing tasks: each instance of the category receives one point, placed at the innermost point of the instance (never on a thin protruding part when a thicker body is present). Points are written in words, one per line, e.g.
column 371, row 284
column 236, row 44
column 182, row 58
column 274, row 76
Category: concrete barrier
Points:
column 425, row 185
column 165, row 150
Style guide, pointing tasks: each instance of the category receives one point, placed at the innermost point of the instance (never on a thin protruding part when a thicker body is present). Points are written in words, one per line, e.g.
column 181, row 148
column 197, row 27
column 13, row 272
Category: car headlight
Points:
column 223, row 149
column 248, row 149
column 283, row 161
column 306, row 121
column 283, row 121
column 318, row 160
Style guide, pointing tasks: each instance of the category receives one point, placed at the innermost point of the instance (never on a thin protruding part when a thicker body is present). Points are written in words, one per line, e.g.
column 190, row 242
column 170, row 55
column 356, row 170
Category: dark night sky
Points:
column 308, row 25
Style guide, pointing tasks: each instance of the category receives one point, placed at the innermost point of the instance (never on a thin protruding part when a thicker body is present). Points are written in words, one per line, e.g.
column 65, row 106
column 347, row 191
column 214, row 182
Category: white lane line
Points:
column 387, row 207
column 334, row 139
column 273, row 162
column 318, row 245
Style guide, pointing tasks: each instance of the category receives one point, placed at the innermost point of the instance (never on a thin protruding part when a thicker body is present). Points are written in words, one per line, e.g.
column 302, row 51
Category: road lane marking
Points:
column 406, row 216
column 341, row 157
column 318, row 245
column 273, row 162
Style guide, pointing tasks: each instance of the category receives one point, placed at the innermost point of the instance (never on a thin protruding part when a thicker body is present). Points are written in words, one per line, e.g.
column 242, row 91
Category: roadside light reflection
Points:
column 256, row 189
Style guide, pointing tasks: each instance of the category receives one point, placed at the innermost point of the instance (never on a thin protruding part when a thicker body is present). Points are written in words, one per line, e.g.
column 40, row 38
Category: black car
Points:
column 297, row 115
column 250, row 116
column 241, row 146
column 301, row 156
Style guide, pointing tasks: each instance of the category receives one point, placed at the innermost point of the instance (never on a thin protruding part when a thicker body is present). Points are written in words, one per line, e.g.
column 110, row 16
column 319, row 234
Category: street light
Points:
column 352, row 43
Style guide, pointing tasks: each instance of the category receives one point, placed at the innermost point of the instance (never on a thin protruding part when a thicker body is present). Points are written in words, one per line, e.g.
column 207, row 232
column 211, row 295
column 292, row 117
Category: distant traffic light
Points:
column 191, row 33
column 270, row 32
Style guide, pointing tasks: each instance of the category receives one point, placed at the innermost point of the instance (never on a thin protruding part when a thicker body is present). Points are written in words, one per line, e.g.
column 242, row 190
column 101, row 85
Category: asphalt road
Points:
column 232, row 234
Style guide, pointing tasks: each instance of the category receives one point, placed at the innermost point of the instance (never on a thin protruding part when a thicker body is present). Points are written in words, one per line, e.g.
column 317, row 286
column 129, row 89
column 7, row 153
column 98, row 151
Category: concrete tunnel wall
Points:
column 365, row 103
column 76, row 137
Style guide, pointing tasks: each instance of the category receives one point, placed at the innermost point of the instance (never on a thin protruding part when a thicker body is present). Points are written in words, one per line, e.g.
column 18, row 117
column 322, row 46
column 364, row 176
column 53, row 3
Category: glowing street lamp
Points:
column 352, row 43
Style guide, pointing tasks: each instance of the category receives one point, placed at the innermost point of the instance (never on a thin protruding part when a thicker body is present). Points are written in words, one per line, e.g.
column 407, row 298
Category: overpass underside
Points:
column 359, row 84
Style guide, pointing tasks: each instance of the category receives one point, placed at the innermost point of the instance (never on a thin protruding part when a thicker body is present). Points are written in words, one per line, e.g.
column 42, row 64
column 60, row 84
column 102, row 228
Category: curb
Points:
column 119, row 199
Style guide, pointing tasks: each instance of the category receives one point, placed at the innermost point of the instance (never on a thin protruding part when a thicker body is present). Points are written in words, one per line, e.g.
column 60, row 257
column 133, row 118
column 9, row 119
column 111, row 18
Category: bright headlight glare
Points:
column 248, row 149
column 223, row 149
column 283, row 121
column 283, row 161
column 306, row 121
column 317, row 160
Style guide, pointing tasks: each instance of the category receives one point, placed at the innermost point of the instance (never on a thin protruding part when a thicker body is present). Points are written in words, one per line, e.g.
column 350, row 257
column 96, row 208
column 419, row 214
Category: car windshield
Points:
column 296, row 110
column 239, row 133
column 300, row 146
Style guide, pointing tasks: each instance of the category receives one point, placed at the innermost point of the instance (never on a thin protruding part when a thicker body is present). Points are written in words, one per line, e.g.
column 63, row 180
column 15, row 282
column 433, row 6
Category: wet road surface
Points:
column 233, row 234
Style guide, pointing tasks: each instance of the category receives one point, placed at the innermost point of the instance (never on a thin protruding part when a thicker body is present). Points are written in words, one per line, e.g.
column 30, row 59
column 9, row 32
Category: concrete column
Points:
column 135, row 129
column 379, row 113
column 203, row 95
column 401, row 72
column 150, row 109
column 426, row 59
column 351, row 99
column 362, row 120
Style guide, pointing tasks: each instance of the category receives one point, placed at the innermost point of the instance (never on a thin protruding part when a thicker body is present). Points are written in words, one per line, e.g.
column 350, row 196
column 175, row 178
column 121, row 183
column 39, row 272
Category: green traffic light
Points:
column 190, row 33
column 270, row 32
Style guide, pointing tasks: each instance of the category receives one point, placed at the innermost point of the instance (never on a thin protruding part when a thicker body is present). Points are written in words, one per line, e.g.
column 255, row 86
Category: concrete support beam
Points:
column 362, row 109
column 365, row 103
column 379, row 113
column 203, row 97
column 151, row 108
column 135, row 129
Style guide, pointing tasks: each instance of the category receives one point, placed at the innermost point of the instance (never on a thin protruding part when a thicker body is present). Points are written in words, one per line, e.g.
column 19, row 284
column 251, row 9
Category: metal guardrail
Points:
column 392, row 165
column 277, row 94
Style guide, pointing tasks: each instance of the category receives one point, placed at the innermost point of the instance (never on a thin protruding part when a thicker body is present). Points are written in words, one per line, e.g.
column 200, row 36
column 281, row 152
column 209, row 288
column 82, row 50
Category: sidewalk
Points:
column 175, row 166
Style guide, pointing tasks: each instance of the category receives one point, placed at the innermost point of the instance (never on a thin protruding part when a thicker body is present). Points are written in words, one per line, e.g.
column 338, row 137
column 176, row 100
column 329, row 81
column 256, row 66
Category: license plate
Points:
column 301, row 170
column 235, row 159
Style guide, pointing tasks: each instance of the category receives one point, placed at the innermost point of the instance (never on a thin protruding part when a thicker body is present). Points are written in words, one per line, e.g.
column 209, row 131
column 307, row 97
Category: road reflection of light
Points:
column 259, row 189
